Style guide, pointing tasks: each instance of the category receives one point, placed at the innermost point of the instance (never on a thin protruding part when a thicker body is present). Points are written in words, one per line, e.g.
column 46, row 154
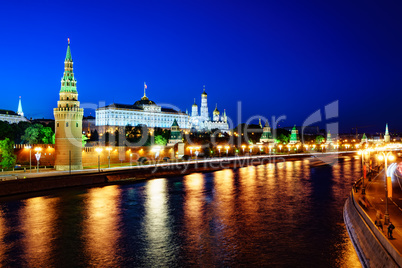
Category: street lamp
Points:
column 260, row 147
column 191, row 151
column 98, row 150
column 37, row 155
column 243, row 147
column 288, row 147
column 30, row 161
column 227, row 149
column 280, row 147
column 219, row 149
column 251, row 148
column 386, row 156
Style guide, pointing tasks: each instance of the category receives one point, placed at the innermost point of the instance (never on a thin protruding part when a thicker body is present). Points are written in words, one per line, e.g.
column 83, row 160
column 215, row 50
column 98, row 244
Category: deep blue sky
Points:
column 276, row 57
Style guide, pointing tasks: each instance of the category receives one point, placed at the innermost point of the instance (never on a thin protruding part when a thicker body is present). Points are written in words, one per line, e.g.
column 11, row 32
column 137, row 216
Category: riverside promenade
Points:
column 373, row 246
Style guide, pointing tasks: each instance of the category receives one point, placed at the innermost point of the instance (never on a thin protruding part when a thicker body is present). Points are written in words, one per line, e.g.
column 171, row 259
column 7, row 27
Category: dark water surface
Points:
column 281, row 215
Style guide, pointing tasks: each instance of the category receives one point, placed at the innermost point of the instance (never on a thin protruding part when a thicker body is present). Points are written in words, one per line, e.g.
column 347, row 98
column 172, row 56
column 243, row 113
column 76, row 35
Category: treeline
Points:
column 25, row 132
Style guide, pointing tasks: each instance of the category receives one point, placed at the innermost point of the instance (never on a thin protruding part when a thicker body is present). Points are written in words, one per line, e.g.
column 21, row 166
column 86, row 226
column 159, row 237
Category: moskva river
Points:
column 278, row 214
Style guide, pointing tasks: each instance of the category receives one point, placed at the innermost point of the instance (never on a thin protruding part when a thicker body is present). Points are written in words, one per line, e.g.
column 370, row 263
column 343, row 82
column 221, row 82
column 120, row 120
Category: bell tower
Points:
column 68, row 121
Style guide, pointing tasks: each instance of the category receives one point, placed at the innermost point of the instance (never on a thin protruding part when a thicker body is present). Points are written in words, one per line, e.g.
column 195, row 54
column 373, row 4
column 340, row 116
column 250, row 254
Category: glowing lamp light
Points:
column 98, row 150
column 380, row 157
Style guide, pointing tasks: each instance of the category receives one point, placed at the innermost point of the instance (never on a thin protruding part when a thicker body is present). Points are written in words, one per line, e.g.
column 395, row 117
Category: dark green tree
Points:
column 38, row 134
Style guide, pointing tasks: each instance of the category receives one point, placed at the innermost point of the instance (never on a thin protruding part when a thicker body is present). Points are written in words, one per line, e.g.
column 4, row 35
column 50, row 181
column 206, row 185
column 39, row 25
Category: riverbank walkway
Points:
column 373, row 202
column 48, row 172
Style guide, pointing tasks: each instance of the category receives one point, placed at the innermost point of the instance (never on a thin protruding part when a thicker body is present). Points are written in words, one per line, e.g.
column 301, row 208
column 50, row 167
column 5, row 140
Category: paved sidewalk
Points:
column 375, row 195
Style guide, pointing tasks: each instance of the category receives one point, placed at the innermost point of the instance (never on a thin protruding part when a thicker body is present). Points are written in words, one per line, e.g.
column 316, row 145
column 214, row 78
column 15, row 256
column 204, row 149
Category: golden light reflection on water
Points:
column 101, row 225
column 38, row 220
column 198, row 236
column 156, row 223
column 3, row 231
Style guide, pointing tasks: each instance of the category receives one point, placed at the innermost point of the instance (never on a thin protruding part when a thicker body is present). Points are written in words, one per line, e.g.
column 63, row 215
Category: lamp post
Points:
column 219, row 149
column 384, row 156
column 243, row 147
column 260, row 147
column 227, row 150
column 109, row 149
column 38, row 155
column 98, row 150
column 361, row 152
column 30, row 153
column 251, row 149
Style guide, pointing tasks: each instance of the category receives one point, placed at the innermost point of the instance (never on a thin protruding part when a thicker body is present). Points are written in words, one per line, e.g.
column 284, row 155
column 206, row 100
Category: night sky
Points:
column 276, row 57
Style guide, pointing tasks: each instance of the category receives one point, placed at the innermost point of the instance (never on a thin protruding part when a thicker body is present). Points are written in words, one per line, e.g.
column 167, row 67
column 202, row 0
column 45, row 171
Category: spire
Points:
column 266, row 124
column 68, row 54
column 20, row 112
column 68, row 82
column 175, row 123
column 259, row 122
column 194, row 105
column 386, row 129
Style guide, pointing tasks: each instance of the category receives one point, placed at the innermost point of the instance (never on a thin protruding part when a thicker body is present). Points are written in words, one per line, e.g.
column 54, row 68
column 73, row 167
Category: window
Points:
column 57, row 124
column 66, row 124
column 76, row 124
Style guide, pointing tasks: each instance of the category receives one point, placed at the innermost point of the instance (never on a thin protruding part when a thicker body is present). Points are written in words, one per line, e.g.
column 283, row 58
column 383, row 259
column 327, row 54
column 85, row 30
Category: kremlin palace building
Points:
column 147, row 112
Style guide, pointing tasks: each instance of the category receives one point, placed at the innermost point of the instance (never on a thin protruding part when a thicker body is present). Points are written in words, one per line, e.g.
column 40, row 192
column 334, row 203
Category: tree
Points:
column 84, row 140
column 319, row 139
column 38, row 134
column 160, row 140
column 8, row 158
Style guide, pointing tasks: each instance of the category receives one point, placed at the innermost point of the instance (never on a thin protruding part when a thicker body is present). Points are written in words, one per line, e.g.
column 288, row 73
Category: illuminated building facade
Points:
column 13, row 117
column 147, row 112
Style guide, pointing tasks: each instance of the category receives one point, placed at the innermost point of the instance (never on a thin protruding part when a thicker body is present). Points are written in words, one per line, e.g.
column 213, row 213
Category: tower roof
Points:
column 386, row 129
column 175, row 123
column 216, row 111
column 68, row 54
column 266, row 124
column 195, row 105
column 204, row 93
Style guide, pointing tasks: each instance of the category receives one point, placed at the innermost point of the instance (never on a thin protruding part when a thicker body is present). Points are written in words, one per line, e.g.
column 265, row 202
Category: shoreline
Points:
column 41, row 183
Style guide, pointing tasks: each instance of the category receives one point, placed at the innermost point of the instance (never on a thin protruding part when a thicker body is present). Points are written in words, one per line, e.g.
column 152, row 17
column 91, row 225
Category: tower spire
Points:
column 68, row 54
column 20, row 112
column 68, row 82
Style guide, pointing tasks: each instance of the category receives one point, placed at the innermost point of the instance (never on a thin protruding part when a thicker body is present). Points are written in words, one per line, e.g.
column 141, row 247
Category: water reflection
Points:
column 198, row 236
column 102, row 226
column 156, row 223
column 279, row 214
column 3, row 231
column 38, row 221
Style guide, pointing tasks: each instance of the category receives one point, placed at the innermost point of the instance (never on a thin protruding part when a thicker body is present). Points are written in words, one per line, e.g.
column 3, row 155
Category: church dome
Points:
column 216, row 111
column 144, row 101
column 204, row 93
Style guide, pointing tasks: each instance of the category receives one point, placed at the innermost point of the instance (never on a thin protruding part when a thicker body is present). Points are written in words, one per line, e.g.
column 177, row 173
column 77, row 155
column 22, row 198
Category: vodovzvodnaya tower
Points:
column 68, row 121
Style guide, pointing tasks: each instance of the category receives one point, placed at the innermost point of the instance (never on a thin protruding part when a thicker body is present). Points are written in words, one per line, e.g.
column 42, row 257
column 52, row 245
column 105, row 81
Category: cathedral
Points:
column 147, row 112
column 202, row 121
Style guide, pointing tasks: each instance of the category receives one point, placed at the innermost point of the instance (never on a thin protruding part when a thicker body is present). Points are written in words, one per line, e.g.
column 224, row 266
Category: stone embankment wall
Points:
column 113, row 176
column 372, row 247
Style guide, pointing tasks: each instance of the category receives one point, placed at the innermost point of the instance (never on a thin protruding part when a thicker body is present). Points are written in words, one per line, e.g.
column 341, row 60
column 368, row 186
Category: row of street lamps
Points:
column 383, row 155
